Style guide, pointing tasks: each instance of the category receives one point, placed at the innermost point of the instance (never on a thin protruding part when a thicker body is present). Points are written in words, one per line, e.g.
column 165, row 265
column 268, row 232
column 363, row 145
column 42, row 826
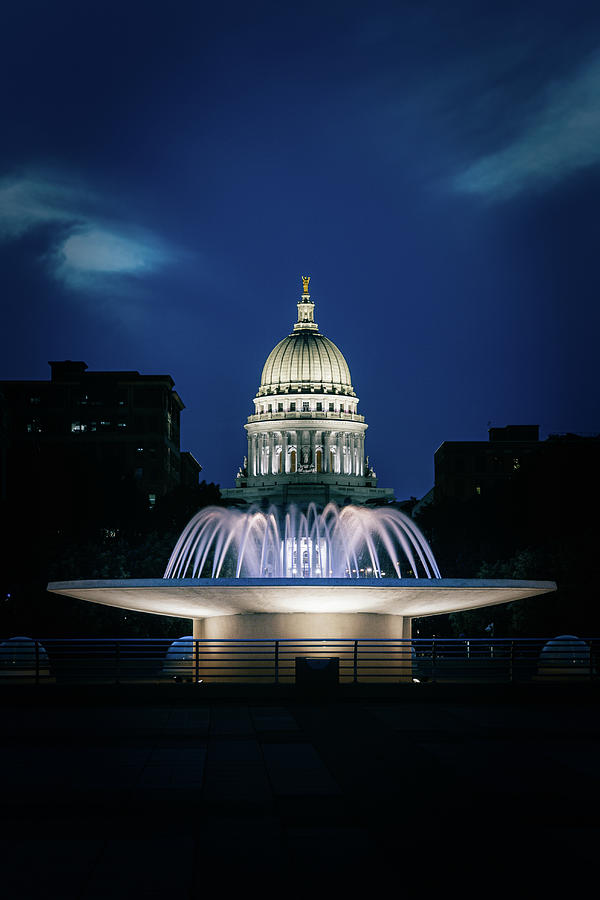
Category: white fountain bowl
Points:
column 296, row 607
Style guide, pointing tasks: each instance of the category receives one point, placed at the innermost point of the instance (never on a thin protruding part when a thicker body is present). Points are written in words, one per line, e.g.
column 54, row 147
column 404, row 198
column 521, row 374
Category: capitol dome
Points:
column 305, row 360
column 306, row 437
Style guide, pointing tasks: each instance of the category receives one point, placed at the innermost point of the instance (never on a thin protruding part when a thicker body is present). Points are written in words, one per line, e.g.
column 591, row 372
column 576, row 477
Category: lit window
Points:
column 121, row 424
column 516, row 464
column 151, row 501
column 35, row 401
column 477, row 490
column 139, row 449
column 78, row 426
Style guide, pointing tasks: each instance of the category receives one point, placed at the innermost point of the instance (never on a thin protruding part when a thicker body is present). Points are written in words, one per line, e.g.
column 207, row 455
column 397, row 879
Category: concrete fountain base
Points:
column 293, row 611
column 280, row 608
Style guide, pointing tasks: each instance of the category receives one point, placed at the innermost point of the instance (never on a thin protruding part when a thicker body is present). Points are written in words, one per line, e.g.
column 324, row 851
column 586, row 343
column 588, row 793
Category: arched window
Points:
column 293, row 461
column 319, row 461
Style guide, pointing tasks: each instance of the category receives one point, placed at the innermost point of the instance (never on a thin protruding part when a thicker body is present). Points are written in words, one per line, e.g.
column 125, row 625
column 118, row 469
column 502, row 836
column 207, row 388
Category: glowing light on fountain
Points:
column 259, row 574
column 349, row 543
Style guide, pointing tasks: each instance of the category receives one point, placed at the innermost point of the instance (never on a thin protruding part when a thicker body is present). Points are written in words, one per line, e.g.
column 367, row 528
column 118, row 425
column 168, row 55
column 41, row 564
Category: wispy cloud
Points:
column 562, row 137
column 86, row 246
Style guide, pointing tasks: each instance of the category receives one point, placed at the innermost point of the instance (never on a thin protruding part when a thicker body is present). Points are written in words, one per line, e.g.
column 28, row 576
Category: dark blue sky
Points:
column 167, row 173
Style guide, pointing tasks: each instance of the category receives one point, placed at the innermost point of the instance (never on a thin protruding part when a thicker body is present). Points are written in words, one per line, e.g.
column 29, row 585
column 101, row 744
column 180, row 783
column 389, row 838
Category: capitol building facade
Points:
column 306, row 438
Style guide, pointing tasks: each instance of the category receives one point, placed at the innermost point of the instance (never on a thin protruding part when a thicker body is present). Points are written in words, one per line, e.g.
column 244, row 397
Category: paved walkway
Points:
column 160, row 801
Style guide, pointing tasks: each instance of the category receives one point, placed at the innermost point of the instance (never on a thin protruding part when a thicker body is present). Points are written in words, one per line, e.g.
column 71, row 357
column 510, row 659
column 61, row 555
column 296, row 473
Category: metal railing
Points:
column 359, row 661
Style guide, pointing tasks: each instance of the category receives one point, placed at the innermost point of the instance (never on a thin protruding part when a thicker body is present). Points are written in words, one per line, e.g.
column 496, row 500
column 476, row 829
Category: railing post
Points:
column 37, row 662
column 512, row 662
column 432, row 660
column 118, row 662
column 276, row 662
column 196, row 661
column 355, row 662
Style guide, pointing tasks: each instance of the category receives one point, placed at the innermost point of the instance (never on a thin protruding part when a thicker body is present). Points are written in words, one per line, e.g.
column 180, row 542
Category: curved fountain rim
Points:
column 210, row 597
column 266, row 583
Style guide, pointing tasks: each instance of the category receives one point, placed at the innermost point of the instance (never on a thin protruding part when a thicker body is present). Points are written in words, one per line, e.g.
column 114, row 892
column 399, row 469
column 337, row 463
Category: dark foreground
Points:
column 115, row 792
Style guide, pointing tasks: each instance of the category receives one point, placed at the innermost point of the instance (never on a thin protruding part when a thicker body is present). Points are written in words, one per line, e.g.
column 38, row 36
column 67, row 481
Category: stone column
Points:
column 339, row 464
column 284, row 450
column 312, row 454
column 325, row 441
column 271, row 460
column 250, row 454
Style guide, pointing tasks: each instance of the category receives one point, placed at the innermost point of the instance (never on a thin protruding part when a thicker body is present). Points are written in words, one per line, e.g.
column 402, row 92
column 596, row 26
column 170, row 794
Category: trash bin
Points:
column 317, row 671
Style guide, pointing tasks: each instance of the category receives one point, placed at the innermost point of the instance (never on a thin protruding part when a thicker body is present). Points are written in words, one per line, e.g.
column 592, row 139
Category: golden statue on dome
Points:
column 305, row 280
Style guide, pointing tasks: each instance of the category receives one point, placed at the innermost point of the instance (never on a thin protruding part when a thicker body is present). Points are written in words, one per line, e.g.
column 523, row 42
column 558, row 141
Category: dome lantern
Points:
column 306, row 309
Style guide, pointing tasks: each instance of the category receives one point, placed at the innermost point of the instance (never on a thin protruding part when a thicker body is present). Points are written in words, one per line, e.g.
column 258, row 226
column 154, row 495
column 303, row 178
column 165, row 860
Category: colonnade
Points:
column 309, row 450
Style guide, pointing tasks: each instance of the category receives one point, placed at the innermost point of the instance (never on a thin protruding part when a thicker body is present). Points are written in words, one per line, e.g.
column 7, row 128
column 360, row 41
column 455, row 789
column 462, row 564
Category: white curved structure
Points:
column 300, row 608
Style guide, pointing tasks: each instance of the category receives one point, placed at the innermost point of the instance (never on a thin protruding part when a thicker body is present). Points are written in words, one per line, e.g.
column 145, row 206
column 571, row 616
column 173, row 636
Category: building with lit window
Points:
column 121, row 425
column 306, row 438
column 563, row 464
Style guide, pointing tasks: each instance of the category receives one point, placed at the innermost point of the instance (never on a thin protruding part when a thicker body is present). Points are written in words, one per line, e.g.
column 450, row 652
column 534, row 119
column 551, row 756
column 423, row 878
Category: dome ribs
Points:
column 308, row 360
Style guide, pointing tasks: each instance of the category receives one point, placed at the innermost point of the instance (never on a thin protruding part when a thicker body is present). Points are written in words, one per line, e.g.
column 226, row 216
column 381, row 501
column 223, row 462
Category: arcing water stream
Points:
column 351, row 542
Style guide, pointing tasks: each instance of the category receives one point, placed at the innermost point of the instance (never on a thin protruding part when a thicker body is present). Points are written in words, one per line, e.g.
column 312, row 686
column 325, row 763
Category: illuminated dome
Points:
column 306, row 437
column 305, row 360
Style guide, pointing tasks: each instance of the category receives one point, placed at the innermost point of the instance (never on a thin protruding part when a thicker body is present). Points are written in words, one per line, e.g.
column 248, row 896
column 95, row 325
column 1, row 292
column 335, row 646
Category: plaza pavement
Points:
column 147, row 794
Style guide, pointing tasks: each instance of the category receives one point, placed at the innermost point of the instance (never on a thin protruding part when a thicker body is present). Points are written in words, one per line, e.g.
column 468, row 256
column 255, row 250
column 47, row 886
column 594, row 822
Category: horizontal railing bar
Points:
column 164, row 660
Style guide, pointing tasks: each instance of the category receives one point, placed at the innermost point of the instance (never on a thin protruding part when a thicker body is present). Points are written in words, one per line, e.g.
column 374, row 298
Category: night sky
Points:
column 169, row 171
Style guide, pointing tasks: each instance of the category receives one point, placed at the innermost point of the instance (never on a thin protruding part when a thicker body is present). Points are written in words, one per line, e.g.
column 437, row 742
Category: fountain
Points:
column 305, row 567
column 328, row 544
column 353, row 572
